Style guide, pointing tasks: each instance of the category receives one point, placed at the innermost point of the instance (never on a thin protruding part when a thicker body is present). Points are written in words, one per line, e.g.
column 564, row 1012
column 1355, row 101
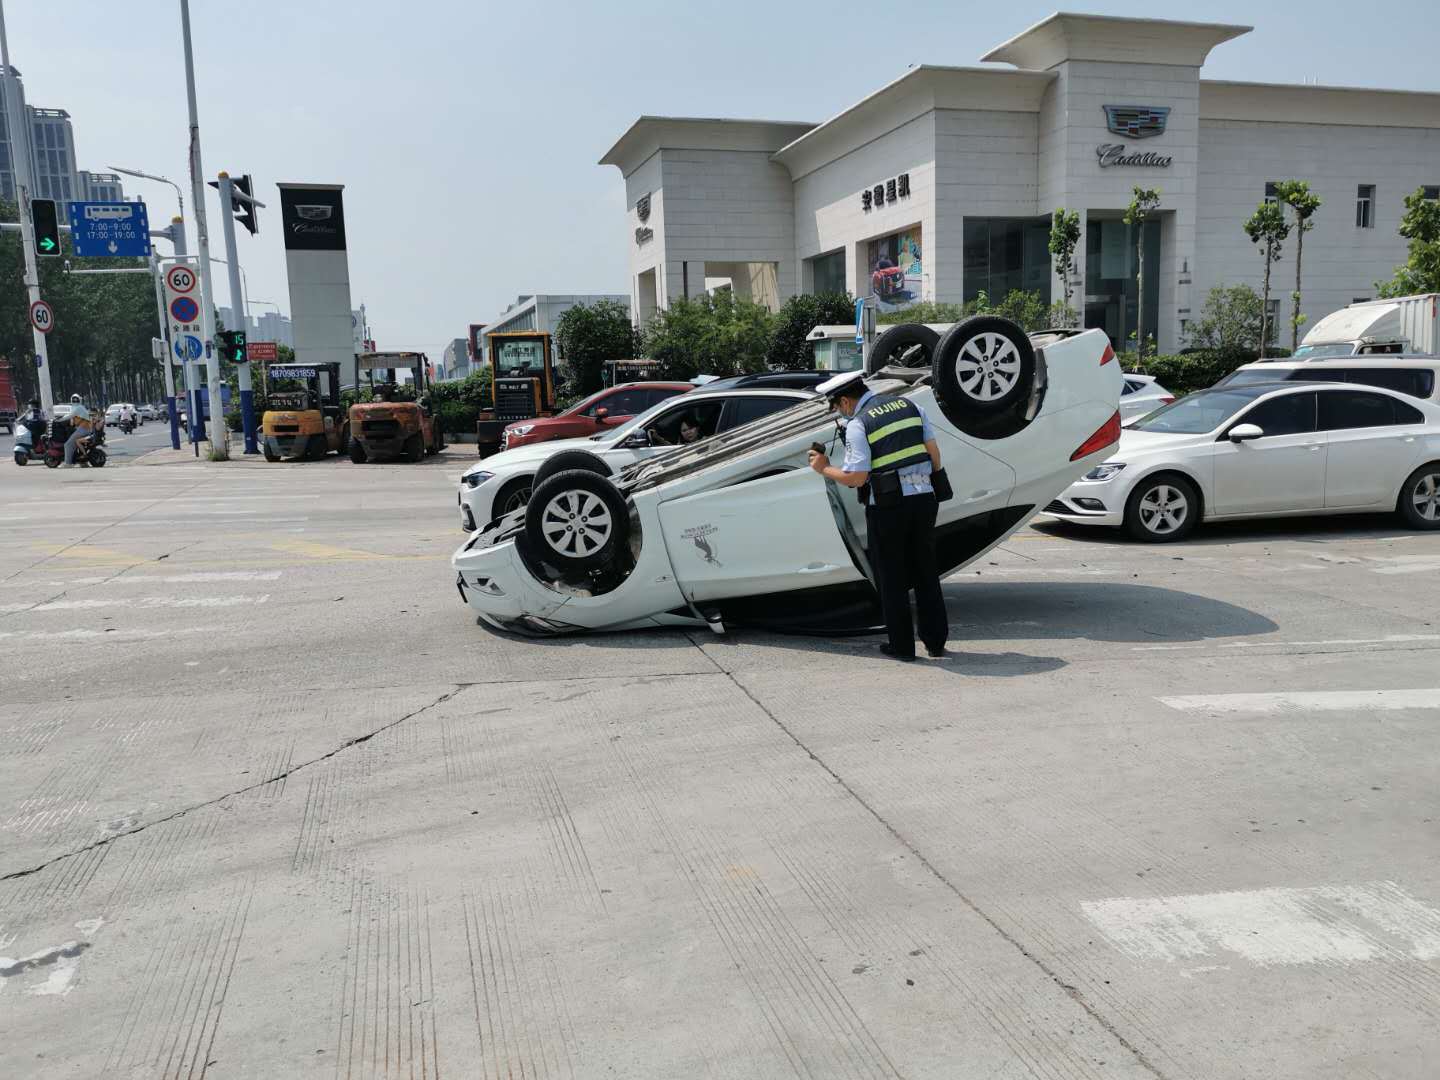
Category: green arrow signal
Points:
column 47, row 243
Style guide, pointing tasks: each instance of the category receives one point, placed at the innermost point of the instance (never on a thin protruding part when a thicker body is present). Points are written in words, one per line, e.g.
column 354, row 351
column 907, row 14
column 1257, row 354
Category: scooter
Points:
column 87, row 451
column 27, row 447
column 127, row 426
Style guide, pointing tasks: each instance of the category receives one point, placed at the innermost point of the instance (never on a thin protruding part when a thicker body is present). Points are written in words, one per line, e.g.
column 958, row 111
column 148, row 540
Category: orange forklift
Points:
column 389, row 427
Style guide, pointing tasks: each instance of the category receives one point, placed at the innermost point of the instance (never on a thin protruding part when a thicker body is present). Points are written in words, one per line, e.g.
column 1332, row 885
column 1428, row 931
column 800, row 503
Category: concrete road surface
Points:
column 272, row 805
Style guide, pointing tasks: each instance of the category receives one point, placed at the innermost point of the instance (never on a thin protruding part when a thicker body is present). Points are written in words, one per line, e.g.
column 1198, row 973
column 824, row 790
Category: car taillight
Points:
column 1166, row 399
column 1107, row 435
column 1107, row 355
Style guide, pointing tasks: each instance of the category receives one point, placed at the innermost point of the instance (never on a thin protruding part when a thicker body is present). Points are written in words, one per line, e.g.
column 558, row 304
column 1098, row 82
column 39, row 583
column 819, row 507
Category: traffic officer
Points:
column 891, row 455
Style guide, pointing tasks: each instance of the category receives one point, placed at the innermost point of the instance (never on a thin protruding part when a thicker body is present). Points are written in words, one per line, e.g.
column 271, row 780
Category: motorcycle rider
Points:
column 80, row 426
column 127, row 417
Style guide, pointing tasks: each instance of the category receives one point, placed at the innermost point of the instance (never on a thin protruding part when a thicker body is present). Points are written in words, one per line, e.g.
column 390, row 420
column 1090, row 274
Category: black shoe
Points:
column 889, row 650
column 936, row 650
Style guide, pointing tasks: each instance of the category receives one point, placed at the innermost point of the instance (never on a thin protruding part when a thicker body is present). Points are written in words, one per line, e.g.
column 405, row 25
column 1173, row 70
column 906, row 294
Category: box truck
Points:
column 1401, row 324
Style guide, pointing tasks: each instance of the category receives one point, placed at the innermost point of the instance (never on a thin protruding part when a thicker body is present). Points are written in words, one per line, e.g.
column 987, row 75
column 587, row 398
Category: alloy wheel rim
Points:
column 988, row 367
column 516, row 501
column 1426, row 497
column 576, row 523
column 1163, row 509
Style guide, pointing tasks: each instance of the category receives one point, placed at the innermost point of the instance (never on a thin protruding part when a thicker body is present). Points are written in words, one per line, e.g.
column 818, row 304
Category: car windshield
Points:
column 581, row 406
column 1203, row 411
column 1254, row 376
column 519, row 359
column 1318, row 352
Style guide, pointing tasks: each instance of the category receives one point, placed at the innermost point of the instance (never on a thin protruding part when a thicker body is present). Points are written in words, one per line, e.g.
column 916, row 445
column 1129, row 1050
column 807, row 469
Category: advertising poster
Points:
column 896, row 269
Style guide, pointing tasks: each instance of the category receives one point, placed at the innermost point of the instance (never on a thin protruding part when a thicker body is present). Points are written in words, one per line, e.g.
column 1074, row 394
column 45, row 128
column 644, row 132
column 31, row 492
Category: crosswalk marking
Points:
column 1305, row 701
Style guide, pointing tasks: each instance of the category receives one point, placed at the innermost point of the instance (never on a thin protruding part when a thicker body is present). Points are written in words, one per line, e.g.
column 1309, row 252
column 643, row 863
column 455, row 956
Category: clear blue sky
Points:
column 467, row 133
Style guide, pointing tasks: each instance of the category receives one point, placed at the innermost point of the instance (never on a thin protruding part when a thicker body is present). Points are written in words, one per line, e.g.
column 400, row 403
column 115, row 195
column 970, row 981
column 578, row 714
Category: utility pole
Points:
column 228, row 196
column 219, row 434
column 20, row 152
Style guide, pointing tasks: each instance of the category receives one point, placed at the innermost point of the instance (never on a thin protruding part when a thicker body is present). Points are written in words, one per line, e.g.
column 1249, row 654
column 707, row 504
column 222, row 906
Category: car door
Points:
column 1373, row 441
column 744, row 410
column 1282, row 470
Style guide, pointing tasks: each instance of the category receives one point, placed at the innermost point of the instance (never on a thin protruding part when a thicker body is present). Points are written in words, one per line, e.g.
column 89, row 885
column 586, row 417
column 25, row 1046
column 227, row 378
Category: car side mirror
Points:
column 1245, row 432
column 636, row 440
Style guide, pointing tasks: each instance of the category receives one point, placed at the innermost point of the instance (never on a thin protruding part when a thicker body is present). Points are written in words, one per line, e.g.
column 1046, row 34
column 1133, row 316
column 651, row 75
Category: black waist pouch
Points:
column 941, row 483
column 886, row 488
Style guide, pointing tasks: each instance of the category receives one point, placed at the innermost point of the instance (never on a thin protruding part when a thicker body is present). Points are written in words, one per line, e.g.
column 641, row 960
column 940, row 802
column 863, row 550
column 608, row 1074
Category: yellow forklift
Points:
column 389, row 426
column 304, row 420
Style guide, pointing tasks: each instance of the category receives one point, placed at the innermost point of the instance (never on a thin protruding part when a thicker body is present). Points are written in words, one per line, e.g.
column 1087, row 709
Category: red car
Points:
column 886, row 281
column 605, row 409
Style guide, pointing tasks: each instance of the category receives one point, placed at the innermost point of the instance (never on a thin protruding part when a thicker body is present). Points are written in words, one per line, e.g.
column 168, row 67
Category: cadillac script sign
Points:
column 1134, row 122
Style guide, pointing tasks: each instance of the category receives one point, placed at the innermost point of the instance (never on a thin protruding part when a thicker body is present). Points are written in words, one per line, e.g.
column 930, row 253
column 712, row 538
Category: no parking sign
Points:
column 182, row 310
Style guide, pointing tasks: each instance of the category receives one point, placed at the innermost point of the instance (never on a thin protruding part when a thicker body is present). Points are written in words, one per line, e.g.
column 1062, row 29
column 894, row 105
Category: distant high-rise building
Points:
column 53, row 172
column 456, row 362
column 272, row 326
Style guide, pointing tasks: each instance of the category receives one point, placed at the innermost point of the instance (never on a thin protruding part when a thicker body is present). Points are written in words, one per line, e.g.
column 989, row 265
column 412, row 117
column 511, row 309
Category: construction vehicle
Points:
column 304, row 421
column 389, row 427
column 522, row 384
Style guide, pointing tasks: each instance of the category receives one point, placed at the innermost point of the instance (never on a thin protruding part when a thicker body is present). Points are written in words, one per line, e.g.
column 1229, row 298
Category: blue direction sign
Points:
column 188, row 347
column 109, row 229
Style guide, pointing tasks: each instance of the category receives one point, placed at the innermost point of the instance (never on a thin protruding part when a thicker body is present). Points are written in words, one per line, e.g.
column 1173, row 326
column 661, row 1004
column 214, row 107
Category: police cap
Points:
column 846, row 382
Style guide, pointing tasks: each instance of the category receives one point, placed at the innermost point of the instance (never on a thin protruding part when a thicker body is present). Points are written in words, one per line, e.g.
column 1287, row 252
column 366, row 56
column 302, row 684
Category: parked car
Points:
column 147, row 412
column 1413, row 375
column 501, row 483
column 1265, row 450
column 112, row 414
column 1140, row 395
column 607, row 408
column 770, row 380
column 738, row 528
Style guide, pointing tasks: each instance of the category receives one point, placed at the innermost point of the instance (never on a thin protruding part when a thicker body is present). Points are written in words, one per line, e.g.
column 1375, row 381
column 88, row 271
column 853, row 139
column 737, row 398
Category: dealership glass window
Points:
column 1430, row 191
column 1111, row 289
column 1365, row 206
column 1272, row 194
column 1001, row 255
column 828, row 273
column 1271, row 324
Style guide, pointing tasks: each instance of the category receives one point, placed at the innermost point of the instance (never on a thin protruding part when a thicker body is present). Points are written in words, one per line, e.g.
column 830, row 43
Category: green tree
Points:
column 926, row 311
column 1303, row 203
column 1064, row 236
column 589, row 336
column 1420, row 273
column 1268, row 229
column 790, row 349
column 718, row 334
column 1230, row 320
column 1142, row 202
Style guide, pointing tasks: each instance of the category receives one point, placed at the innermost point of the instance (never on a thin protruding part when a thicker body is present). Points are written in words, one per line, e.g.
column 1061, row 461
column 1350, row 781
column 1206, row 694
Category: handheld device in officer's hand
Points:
column 817, row 447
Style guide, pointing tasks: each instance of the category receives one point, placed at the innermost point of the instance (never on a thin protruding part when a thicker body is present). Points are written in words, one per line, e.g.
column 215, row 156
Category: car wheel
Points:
column 357, row 452
column 576, row 520
column 1162, row 509
column 909, row 345
column 567, row 460
column 514, row 495
column 982, row 366
column 1420, row 497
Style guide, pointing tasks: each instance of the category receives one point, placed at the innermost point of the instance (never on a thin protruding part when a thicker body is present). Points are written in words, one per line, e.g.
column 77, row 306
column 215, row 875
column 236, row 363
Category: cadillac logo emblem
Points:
column 314, row 211
column 642, row 207
column 1136, row 121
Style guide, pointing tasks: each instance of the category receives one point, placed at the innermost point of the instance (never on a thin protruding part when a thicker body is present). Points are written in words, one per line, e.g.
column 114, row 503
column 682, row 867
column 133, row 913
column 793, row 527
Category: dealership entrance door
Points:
column 1111, row 284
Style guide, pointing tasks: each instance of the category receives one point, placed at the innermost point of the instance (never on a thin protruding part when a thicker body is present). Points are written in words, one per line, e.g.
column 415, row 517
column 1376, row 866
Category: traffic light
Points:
column 232, row 345
column 47, row 229
column 245, row 213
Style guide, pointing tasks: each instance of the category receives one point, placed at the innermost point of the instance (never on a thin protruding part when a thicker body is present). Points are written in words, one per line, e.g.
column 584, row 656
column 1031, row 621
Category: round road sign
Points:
column 180, row 279
column 188, row 347
column 184, row 309
column 42, row 316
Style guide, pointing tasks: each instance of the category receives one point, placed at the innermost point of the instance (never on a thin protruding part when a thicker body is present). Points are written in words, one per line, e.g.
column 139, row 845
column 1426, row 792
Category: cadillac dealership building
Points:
column 940, row 185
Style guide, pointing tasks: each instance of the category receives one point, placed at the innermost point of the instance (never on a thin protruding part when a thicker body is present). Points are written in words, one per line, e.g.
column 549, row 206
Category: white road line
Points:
column 1305, row 701
column 1321, row 924
column 197, row 578
column 139, row 602
column 109, row 635
column 1388, row 639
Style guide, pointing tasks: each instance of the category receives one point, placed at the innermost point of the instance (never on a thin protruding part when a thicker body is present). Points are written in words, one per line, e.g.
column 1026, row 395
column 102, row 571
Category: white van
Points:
column 1406, row 325
column 1418, row 376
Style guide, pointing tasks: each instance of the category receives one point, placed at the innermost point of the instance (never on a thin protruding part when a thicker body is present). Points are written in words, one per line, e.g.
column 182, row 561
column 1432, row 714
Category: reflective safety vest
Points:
column 896, row 433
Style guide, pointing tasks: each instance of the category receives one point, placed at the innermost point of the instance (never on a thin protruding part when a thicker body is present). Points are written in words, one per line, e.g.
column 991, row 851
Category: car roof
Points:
column 747, row 392
column 1361, row 360
column 660, row 384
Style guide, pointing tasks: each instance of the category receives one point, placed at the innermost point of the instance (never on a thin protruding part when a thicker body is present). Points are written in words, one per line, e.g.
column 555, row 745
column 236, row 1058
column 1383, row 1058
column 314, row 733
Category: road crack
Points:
column 348, row 744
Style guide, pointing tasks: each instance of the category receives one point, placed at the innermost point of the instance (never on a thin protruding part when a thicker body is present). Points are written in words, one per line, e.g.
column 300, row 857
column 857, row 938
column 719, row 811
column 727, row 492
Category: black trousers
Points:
column 902, row 555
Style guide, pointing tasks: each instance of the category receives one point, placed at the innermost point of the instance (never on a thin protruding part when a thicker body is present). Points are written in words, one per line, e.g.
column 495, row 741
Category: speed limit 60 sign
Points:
column 180, row 278
column 42, row 316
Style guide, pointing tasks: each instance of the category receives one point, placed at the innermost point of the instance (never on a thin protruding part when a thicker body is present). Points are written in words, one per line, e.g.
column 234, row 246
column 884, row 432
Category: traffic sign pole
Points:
column 20, row 152
column 192, row 398
column 219, row 435
column 232, row 263
column 165, row 365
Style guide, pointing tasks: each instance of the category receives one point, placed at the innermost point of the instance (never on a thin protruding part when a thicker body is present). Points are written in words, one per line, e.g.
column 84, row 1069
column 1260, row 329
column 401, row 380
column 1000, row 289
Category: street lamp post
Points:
column 179, row 195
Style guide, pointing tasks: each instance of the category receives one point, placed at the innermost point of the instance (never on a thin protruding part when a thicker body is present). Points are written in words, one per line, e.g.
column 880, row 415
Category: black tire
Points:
column 357, row 452
column 910, row 345
column 515, row 494
column 565, row 461
column 982, row 366
column 270, row 455
column 52, row 461
column 414, row 447
column 96, row 458
column 1162, row 509
column 1419, row 501
column 22, row 459
column 316, row 448
column 576, row 521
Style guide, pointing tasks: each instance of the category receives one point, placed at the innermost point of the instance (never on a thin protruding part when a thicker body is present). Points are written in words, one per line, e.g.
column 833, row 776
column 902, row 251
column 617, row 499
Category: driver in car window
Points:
column 689, row 432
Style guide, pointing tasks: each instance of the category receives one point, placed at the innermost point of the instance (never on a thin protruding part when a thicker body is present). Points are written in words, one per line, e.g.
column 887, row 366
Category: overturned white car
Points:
column 737, row 529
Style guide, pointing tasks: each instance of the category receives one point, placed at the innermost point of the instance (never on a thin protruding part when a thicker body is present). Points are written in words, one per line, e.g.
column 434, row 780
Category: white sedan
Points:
column 1141, row 394
column 501, row 483
column 737, row 528
column 1265, row 450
